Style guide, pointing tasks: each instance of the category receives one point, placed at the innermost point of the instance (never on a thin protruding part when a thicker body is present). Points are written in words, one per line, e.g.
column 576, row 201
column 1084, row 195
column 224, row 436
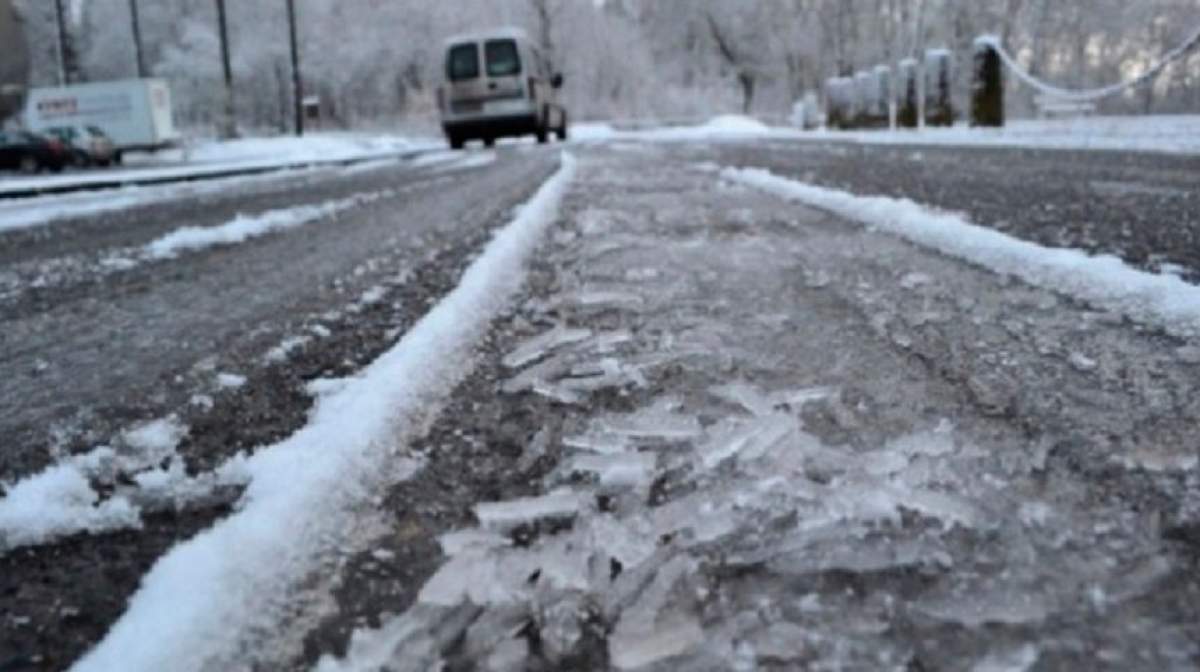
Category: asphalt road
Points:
column 1036, row 526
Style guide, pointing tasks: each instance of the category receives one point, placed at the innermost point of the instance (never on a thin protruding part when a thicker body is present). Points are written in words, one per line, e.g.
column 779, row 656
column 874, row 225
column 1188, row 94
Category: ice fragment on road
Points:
column 1019, row 659
column 598, row 442
column 510, row 514
column 628, row 469
column 453, row 543
column 747, row 440
column 637, row 649
column 974, row 608
column 230, row 381
column 746, row 396
column 648, row 631
column 656, row 422
column 539, row 346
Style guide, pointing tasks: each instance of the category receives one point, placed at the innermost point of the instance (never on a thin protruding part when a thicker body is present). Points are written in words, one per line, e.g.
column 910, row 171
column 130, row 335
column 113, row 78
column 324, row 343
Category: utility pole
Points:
column 61, row 24
column 297, row 77
column 228, row 125
column 137, row 38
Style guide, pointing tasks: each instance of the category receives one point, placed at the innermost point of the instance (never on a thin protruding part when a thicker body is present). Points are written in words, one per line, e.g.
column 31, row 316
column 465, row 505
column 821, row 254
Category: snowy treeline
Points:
column 378, row 61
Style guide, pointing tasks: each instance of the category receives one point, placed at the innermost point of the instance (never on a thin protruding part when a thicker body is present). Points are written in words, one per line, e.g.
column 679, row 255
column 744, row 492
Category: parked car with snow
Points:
column 31, row 153
column 88, row 145
column 136, row 114
column 499, row 84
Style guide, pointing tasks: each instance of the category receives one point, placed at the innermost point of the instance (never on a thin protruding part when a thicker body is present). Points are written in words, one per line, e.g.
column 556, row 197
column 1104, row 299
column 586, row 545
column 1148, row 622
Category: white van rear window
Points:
column 502, row 58
column 462, row 62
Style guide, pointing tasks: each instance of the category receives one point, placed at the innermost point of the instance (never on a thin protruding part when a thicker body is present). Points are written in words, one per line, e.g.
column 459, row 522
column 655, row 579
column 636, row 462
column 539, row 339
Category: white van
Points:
column 499, row 84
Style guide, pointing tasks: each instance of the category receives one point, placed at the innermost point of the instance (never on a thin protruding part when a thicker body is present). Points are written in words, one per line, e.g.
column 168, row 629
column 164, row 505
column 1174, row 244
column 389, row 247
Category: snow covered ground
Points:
column 1167, row 134
column 208, row 158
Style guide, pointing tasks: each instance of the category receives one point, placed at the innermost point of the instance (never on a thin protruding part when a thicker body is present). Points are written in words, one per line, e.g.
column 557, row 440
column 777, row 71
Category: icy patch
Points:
column 1019, row 659
column 1103, row 281
column 230, row 381
column 473, row 160
column 1158, row 461
column 206, row 602
column 978, row 608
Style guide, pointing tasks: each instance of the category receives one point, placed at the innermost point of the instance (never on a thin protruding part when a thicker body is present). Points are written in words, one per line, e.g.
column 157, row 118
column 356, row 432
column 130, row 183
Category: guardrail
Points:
column 923, row 93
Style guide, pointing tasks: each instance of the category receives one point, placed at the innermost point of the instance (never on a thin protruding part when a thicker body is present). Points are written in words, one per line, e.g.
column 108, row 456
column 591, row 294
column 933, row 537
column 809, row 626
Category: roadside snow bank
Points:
column 205, row 604
column 1152, row 133
column 723, row 127
column 1104, row 281
column 210, row 159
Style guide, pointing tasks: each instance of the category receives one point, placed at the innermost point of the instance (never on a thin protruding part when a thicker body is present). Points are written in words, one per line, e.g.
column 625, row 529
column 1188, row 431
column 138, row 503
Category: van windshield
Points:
column 502, row 58
column 462, row 62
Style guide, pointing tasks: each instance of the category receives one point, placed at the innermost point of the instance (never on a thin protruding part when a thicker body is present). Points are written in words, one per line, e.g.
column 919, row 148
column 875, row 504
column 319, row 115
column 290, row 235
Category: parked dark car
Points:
column 86, row 145
column 30, row 153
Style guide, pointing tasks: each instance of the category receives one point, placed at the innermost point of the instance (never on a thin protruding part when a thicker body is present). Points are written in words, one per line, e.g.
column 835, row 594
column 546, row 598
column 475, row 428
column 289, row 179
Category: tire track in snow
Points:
column 201, row 606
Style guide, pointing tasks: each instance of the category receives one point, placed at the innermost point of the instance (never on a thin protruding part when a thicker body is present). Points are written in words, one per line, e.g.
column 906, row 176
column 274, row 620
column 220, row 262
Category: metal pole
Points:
column 228, row 129
column 137, row 38
column 297, row 78
column 61, row 52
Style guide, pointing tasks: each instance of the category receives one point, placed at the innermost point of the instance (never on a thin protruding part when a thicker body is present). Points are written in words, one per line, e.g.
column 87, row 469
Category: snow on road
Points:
column 750, row 478
column 1105, row 281
column 61, row 500
column 243, row 228
column 202, row 604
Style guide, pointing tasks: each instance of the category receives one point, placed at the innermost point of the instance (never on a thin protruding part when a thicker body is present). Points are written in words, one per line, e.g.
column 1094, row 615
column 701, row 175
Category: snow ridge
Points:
column 242, row 228
column 1104, row 281
column 201, row 605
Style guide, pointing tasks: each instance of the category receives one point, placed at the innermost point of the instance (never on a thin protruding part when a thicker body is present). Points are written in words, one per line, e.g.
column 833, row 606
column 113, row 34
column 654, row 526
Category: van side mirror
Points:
column 557, row 80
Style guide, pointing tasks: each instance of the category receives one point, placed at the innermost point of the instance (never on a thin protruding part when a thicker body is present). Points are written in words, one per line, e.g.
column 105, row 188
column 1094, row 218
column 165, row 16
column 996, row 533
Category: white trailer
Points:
column 135, row 113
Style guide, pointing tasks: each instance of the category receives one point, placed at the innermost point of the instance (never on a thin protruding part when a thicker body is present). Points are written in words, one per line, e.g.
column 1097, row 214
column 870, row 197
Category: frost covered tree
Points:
column 379, row 61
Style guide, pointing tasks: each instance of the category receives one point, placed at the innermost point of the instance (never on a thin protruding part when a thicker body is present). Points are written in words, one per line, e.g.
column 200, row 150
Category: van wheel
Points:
column 489, row 142
column 456, row 142
column 28, row 164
